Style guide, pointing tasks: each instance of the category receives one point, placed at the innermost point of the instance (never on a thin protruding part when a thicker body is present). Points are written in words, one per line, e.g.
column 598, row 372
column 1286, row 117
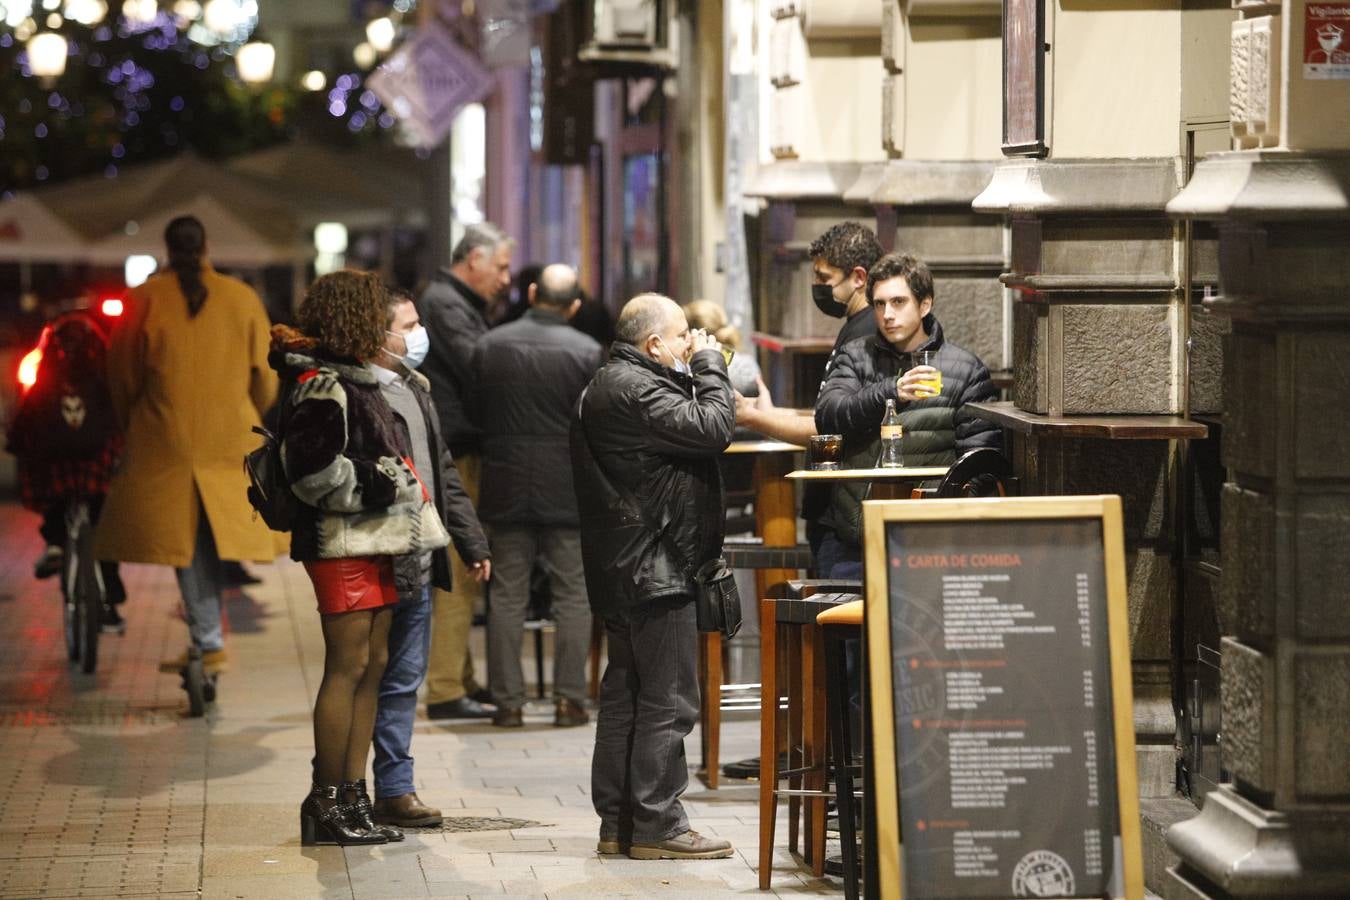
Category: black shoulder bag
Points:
column 717, row 601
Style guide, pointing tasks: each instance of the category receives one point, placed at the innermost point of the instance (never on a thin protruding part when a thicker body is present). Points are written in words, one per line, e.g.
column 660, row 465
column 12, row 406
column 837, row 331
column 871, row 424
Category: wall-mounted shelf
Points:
column 1117, row 428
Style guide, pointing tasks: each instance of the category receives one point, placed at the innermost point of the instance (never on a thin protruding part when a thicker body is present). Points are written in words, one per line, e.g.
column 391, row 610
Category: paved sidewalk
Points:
column 107, row 789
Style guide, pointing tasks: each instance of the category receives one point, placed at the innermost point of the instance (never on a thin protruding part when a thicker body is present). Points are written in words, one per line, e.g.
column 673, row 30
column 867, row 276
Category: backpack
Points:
column 68, row 413
column 269, row 493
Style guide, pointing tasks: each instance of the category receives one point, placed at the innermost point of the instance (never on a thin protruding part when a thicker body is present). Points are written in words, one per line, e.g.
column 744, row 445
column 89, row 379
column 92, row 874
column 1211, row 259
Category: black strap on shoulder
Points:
column 635, row 505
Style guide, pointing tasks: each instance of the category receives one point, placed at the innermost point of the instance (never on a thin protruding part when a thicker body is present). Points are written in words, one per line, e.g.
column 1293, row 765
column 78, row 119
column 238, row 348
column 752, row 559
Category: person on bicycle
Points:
column 65, row 440
column 188, row 374
column 362, row 505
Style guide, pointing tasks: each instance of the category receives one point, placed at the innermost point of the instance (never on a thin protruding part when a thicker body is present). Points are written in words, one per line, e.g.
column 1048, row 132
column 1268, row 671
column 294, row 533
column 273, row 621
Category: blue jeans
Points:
column 200, row 584
column 837, row 559
column 409, row 642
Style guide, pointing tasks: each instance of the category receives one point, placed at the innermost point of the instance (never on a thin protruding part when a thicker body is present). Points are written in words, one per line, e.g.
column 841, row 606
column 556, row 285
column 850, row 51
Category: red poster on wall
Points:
column 1326, row 41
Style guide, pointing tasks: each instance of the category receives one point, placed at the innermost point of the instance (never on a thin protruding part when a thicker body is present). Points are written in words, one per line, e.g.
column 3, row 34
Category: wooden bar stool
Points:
column 792, row 664
column 838, row 625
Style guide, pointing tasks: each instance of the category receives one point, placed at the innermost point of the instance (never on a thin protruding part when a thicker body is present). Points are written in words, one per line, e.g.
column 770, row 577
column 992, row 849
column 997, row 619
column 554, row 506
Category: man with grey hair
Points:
column 454, row 309
column 652, row 425
column 527, row 376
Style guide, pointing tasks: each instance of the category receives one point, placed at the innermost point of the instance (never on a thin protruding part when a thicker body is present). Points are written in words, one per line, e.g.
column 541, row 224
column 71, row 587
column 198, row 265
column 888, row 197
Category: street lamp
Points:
column 380, row 33
column 140, row 12
column 256, row 61
column 222, row 16
column 86, row 12
column 47, row 55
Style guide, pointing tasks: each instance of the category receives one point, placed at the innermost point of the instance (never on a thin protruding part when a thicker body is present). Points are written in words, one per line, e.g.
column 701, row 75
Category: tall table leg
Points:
column 775, row 513
column 768, row 738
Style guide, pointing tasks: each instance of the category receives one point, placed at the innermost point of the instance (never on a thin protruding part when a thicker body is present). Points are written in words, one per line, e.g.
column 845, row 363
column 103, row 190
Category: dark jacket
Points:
column 659, row 434
column 452, row 502
column 936, row 430
column 816, row 496
column 455, row 318
column 527, row 376
column 343, row 457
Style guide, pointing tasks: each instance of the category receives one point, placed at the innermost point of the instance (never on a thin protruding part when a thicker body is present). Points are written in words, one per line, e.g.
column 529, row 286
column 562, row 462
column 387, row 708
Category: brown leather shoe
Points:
column 570, row 713
column 407, row 811
column 508, row 717
column 689, row 845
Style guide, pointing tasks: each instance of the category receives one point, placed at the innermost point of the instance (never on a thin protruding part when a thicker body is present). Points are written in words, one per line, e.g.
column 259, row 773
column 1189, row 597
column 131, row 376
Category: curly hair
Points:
column 847, row 246
column 345, row 311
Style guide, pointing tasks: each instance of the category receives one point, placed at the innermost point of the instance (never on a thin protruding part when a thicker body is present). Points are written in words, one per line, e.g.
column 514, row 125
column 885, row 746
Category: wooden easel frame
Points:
column 1106, row 508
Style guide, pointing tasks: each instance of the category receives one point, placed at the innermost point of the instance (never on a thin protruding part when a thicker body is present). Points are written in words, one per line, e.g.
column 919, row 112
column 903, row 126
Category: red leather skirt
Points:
column 346, row 585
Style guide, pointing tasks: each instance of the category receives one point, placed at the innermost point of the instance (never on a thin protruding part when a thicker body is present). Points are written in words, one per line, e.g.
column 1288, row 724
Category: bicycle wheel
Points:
column 70, row 625
column 86, row 593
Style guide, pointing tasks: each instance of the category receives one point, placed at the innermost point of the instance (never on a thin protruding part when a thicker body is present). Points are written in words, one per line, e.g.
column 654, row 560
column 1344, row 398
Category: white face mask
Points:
column 680, row 365
column 417, row 343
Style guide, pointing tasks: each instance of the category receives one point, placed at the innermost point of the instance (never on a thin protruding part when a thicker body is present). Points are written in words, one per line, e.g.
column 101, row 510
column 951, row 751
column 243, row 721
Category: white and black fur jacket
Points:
column 343, row 458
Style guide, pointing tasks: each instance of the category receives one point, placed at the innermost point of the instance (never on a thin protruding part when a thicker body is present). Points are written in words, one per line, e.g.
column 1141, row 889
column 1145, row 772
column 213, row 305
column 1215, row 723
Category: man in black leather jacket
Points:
column 527, row 376
column 645, row 462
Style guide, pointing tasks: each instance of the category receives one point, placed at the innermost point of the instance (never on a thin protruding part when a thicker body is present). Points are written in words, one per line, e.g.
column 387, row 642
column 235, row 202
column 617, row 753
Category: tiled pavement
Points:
column 107, row 789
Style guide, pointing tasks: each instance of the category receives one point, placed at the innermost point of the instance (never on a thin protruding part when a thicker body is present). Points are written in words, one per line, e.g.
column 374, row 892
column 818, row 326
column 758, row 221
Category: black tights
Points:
column 356, row 647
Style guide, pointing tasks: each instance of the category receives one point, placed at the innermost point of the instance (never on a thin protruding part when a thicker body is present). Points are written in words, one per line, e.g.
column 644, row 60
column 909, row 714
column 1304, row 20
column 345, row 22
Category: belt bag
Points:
column 717, row 600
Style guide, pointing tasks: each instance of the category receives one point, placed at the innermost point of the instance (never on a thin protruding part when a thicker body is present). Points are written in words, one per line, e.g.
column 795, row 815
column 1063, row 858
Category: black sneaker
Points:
column 112, row 621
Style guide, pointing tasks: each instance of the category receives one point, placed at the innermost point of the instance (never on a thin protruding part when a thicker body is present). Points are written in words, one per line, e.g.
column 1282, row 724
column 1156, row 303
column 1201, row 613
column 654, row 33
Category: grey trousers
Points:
column 515, row 550
column 649, row 703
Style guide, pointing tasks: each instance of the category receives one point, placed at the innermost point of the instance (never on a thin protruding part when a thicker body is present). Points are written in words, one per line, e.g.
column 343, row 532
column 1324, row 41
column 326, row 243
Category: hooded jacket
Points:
column 343, row 457
column 658, row 434
column 936, row 430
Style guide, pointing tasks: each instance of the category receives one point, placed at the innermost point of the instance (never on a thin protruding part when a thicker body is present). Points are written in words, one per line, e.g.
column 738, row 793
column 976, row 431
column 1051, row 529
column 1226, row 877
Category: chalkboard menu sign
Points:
column 1002, row 712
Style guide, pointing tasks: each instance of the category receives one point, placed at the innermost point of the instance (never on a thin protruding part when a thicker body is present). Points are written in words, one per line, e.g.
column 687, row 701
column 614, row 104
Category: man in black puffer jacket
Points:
column 652, row 427
column 871, row 370
column 527, row 376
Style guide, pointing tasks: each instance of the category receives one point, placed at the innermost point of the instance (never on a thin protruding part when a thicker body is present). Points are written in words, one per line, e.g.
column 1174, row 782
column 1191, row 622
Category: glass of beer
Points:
column 932, row 385
column 824, row 452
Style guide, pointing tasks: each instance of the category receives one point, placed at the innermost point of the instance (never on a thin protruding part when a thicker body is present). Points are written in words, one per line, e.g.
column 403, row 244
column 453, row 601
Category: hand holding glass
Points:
column 932, row 385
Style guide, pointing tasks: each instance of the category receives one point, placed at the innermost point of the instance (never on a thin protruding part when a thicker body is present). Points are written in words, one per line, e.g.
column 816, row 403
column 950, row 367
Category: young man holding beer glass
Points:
column 929, row 379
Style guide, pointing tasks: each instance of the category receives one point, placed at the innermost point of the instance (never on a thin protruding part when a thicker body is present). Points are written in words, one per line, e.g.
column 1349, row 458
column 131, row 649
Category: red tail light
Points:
column 112, row 307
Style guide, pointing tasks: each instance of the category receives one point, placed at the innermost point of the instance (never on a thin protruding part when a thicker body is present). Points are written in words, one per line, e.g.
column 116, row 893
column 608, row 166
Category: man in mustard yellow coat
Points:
column 189, row 379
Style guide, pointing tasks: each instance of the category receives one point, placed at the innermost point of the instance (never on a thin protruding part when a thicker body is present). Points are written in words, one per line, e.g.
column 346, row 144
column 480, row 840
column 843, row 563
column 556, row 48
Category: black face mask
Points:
column 823, row 296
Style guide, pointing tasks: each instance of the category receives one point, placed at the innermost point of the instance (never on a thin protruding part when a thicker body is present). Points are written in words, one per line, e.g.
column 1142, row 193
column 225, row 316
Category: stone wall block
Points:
column 1117, row 359
column 971, row 313
column 1321, row 380
column 1136, row 470
column 1322, row 537
column 1248, row 700
column 1029, row 345
column 1151, row 591
column 1107, row 247
column 1322, row 684
column 1206, row 363
column 942, row 236
column 1249, row 435
column 1247, row 582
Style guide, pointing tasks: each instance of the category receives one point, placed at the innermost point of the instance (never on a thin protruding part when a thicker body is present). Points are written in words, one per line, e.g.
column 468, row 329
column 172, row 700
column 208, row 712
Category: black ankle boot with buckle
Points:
column 361, row 811
column 332, row 823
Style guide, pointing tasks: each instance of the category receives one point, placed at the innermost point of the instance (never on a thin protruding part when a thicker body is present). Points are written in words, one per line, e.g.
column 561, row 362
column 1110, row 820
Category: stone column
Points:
column 1096, row 266
column 1282, row 827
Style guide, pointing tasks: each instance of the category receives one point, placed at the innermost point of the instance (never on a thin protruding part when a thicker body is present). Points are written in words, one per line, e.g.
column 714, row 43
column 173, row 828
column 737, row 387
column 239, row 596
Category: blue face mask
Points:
column 680, row 365
column 417, row 343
